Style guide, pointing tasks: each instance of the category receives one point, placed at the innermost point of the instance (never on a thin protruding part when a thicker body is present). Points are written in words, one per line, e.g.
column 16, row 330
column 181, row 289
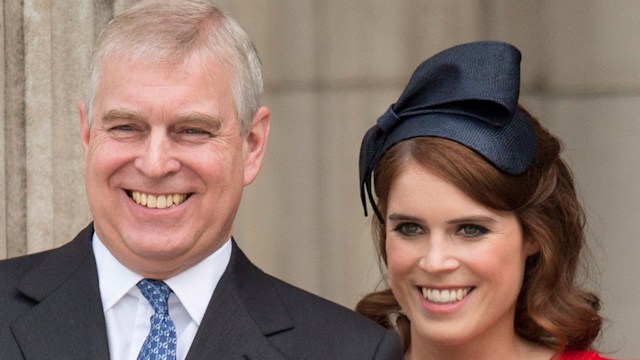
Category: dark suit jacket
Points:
column 50, row 308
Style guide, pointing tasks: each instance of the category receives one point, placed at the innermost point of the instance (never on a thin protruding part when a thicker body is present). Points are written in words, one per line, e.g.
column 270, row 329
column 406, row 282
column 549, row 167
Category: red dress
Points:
column 581, row 355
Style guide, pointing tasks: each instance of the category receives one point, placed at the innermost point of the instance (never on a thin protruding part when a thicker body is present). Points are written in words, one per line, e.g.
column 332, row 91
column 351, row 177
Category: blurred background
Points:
column 331, row 68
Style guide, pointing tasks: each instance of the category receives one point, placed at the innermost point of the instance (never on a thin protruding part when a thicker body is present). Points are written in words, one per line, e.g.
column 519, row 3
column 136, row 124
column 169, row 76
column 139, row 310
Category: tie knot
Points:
column 157, row 294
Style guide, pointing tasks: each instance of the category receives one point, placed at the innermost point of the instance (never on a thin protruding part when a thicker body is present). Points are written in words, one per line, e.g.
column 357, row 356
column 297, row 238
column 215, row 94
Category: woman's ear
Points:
column 532, row 247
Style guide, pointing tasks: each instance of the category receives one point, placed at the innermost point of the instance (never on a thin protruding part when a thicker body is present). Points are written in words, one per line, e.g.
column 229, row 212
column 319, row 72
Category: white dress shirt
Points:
column 127, row 312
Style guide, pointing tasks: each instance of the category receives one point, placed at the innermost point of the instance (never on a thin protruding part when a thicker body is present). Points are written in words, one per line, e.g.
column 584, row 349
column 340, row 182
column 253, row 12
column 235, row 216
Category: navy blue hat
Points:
column 468, row 94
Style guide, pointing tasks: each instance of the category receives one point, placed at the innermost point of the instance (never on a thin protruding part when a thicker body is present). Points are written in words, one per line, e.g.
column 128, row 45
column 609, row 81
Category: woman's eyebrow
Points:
column 404, row 217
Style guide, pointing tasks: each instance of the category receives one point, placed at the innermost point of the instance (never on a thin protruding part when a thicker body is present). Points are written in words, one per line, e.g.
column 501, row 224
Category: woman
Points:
column 477, row 218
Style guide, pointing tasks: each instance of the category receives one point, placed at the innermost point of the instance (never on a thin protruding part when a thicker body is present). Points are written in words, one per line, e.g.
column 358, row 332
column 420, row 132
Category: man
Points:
column 172, row 130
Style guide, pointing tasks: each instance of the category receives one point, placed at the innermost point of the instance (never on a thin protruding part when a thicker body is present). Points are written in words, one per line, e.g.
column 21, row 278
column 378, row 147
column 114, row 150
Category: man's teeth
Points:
column 445, row 296
column 158, row 201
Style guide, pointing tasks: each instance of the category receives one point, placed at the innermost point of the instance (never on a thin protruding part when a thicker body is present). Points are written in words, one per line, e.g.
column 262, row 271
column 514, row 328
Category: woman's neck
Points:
column 492, row 346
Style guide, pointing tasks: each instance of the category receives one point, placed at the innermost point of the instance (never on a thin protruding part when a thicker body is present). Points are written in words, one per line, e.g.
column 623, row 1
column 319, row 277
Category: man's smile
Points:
column 157, row 201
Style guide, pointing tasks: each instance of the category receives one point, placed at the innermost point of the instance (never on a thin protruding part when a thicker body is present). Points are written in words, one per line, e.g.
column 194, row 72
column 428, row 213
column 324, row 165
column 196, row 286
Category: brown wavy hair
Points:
column 552, row 309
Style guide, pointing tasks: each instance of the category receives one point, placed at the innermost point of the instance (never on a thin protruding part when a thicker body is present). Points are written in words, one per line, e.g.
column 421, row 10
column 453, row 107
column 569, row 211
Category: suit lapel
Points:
column 244, row 310
column 67, row 319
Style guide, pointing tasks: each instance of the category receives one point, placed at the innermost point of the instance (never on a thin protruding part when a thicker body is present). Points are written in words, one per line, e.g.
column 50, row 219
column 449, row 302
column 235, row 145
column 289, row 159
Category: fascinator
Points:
column 467, row 94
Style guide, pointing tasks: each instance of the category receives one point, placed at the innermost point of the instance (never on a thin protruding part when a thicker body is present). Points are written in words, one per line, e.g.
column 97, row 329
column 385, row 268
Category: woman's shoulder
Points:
column 581, row 355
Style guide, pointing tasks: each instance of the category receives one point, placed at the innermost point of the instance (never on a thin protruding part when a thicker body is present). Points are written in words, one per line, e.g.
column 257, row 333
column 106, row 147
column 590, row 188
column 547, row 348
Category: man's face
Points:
column 165, row 163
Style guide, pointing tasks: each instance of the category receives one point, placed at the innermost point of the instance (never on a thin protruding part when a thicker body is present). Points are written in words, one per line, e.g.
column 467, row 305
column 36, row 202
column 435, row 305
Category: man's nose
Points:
column 158, row 157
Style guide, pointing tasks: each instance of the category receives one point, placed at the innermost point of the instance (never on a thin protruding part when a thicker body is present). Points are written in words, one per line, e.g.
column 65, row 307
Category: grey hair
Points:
column 175, row 31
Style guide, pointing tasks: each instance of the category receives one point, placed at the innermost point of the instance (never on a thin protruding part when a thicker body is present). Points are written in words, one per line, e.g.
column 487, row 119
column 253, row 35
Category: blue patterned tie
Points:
column 160, row 344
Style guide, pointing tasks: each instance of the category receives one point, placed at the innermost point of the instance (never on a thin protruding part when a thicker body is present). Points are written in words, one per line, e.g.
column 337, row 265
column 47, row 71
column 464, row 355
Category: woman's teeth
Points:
column 445, row 296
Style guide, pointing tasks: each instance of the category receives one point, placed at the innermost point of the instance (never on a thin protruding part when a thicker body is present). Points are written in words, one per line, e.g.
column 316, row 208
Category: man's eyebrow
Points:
column 120, row 114
column 210, row 121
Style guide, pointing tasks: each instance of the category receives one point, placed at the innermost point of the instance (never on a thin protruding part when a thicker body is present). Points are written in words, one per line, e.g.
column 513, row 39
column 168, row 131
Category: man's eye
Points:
column 122, row 128
column 195, row 132
column 408, row 229
column 469, row 230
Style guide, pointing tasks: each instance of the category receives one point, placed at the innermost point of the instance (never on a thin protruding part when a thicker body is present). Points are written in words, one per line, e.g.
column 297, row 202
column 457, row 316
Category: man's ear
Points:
column 85, row 127
column 255, row 143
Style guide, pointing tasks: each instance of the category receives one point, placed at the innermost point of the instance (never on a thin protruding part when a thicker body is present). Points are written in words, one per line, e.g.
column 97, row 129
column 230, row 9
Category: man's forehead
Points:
column 158, row 58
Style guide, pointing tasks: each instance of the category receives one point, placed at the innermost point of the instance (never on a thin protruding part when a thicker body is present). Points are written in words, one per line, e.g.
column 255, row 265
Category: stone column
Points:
column 13, row 209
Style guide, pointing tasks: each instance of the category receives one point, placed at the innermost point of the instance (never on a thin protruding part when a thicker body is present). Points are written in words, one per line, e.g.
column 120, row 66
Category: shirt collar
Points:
column 193, row 287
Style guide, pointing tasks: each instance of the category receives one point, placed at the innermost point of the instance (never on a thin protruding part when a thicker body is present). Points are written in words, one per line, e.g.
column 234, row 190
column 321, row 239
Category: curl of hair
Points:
column 552, row 309
column 383, row 308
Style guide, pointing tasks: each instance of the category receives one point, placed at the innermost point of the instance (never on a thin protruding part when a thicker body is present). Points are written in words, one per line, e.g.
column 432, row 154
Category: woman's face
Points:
column 455, row 266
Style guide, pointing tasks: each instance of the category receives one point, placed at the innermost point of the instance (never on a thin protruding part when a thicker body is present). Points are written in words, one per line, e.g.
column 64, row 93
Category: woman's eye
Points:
column 408, row 229
column 468, row 230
